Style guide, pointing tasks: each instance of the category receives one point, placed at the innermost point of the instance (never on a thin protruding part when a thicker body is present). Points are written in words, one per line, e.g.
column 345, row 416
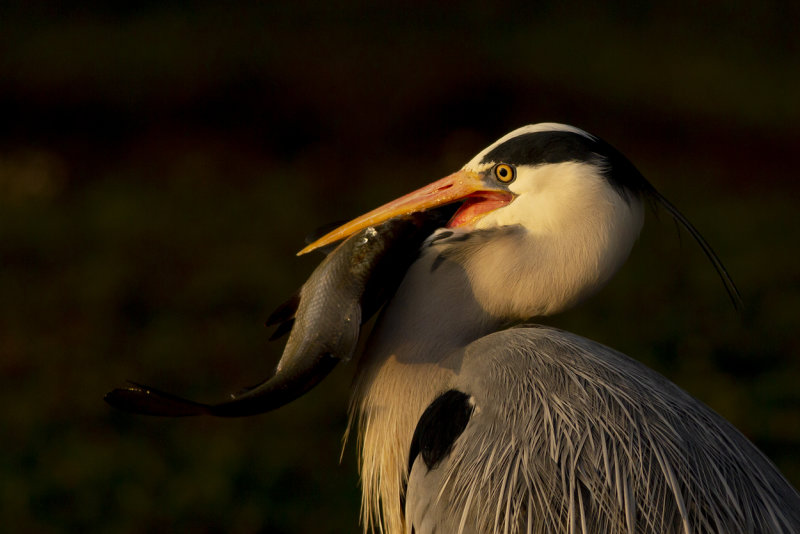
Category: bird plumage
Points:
column 561, row 440
column 570, row 436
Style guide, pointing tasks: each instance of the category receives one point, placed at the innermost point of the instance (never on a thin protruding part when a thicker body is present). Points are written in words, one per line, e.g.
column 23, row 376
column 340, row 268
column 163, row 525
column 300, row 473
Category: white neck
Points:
column 412, row 355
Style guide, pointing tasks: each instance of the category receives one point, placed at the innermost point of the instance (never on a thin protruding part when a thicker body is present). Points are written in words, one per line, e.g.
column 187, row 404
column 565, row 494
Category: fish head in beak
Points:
column 480, row 193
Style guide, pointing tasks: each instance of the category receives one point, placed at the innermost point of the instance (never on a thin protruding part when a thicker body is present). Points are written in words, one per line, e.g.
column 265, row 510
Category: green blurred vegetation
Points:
column 161, row 162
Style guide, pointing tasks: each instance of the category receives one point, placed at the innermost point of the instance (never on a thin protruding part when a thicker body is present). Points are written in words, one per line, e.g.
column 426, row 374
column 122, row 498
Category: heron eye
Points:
column 504, row 173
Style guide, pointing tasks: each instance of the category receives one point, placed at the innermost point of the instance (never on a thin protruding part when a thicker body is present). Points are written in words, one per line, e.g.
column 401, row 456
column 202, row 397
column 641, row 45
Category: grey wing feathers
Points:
column 570, row 436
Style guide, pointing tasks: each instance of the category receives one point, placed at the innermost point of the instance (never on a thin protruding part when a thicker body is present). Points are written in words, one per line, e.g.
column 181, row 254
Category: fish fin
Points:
column 283, row 329
column 144, row 400
column 284, row 312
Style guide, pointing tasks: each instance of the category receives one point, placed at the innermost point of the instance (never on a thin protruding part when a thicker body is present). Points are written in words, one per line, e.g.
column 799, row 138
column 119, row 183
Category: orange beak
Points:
column 458, row 186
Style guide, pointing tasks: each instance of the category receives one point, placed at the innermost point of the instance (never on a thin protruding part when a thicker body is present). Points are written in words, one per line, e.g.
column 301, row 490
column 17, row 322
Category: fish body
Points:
column 324, row 319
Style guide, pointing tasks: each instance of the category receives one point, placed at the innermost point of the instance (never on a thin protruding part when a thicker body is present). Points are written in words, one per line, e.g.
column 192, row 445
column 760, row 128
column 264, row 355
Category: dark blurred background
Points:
column 161, row 163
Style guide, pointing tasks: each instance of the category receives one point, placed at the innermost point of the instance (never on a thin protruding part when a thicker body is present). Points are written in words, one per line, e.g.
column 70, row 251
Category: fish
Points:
column 323, row 319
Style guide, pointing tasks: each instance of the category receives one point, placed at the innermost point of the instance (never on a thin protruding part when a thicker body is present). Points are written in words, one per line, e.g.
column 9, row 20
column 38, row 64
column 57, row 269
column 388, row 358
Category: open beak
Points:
column 457, row 187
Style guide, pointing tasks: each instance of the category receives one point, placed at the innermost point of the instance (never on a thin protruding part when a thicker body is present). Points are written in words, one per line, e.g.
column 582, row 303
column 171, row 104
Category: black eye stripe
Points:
column 555, row 146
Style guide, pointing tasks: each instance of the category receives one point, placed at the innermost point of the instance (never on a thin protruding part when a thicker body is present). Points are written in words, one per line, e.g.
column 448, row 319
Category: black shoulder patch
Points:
column 439, row 427
column 555, row 146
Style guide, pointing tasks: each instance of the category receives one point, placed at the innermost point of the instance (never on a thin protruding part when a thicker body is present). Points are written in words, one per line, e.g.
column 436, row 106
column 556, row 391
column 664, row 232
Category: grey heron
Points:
column 470, row 420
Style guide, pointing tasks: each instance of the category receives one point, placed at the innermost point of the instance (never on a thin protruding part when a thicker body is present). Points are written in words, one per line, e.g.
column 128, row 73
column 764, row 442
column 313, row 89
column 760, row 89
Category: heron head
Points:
column 562, row 185
column 549, row 165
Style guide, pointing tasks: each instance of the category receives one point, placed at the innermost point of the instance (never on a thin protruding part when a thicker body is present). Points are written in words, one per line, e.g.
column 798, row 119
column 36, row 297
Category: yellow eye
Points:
column 504, row 173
